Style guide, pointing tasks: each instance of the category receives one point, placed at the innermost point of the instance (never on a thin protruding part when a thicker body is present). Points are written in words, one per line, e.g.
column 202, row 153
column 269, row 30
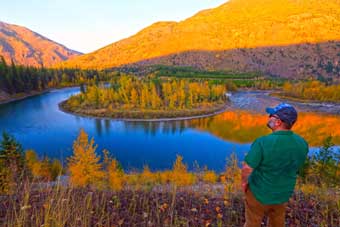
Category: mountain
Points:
column 288, row 38
column 26, row 47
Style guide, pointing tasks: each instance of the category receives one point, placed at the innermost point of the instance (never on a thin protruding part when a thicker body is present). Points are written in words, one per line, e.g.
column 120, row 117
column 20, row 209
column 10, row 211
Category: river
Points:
column 37, row 123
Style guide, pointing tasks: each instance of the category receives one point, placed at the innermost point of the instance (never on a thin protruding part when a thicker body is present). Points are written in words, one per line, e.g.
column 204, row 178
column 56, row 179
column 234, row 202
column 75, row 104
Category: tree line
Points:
column 312, row 90
column 131, row 92
column 24, row 79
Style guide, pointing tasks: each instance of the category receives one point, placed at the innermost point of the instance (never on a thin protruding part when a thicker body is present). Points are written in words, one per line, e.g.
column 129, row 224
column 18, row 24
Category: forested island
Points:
column 148, row 98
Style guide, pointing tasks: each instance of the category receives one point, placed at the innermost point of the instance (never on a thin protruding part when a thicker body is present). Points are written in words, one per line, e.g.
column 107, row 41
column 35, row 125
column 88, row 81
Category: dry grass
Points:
column 163, row 205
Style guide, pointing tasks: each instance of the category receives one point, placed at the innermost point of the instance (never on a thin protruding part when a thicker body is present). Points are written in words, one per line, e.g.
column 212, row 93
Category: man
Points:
column 270, row 168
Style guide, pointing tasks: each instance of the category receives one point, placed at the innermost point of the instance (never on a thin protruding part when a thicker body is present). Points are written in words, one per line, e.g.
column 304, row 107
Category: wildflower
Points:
column 206, row 201
column 163, row 207
column 145, row 215
column 121, row 221
column 25, row 207
column 194, row 210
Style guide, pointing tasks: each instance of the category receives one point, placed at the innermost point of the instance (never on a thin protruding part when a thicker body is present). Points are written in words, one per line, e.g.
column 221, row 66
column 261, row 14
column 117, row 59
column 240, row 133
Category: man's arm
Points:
column 246, row 171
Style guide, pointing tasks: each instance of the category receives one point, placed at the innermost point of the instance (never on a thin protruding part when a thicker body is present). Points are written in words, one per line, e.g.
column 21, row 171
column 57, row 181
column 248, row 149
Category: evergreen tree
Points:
column 83, row 165
column 11, row 163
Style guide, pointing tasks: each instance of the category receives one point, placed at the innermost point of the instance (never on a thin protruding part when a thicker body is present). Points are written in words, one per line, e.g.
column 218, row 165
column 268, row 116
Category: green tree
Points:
column 327, row 162
column 11, row 163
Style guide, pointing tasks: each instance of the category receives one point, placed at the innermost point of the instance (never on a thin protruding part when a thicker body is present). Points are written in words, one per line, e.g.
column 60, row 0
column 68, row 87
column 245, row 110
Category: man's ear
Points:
column 279, row 122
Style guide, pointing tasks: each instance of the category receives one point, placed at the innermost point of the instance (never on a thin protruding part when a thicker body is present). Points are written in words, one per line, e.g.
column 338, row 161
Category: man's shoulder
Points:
column 262, row 141
column 264, row 138
column 300, row 138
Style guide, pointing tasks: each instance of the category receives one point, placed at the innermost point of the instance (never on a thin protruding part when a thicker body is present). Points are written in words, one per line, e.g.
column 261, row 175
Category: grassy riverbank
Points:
column 145, row 114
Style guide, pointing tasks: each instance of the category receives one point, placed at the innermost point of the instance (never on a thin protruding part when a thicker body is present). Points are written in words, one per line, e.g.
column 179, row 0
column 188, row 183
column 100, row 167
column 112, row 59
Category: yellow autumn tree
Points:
column 43, row 170
column 232, row 174
column 147, row 177
column 115, row 175
column 134, row 97
column 83, row 165
column 210, row 176
column 180, row 176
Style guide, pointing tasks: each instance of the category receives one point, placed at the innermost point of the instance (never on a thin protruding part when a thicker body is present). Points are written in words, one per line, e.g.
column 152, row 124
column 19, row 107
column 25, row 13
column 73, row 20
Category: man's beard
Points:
column 270, row 125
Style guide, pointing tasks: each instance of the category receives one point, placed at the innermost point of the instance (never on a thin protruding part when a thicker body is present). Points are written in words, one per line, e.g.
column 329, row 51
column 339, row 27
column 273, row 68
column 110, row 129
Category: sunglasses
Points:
column 275, row 116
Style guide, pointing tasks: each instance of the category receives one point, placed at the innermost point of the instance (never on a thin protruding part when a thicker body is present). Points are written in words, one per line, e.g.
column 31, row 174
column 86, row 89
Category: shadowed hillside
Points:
column 26, row 47
column 293, row 61
column 284, row 31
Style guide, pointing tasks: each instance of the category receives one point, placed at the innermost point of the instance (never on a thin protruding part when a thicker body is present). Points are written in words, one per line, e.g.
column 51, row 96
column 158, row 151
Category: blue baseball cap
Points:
column 285, row 112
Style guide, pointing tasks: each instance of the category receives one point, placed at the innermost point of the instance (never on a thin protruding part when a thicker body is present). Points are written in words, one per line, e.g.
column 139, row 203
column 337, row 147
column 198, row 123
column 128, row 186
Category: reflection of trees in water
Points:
column 316, row 127
column 244, row 127
column 107, row 124
column 99, row 125
column 152, row 127
column 148, row 127
column 238, row 126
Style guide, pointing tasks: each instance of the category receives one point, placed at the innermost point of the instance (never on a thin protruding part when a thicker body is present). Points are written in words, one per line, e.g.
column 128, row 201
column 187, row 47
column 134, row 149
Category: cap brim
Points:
column 270, row 110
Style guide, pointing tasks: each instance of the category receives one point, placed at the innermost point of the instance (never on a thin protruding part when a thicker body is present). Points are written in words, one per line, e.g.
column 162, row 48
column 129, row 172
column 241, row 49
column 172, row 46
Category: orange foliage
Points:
column 210, row 177
column 245, row 127
column 232, row 174
column 116, row 176
column 45, row 169
column 83, row 165
column 180, row 176
column 135, row 94
column 312, row 90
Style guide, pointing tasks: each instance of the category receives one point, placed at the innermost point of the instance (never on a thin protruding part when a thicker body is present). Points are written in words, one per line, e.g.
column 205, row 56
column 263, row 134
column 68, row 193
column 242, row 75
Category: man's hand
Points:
column 246, row 171
column 244, row 187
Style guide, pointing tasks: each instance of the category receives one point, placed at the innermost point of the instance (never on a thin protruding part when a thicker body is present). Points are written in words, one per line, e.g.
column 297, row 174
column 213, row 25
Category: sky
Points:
column 87, row 25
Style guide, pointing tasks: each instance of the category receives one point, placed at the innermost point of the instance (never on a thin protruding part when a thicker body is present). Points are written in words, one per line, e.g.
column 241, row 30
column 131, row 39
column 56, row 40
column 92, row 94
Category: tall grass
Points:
column 168, row 205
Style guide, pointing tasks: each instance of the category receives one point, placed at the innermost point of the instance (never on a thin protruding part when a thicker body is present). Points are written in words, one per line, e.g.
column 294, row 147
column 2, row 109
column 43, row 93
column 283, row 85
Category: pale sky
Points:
column 87, row 25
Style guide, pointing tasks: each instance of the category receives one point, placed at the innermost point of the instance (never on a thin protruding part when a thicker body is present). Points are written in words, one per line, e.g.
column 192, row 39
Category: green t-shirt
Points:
column 276, row 160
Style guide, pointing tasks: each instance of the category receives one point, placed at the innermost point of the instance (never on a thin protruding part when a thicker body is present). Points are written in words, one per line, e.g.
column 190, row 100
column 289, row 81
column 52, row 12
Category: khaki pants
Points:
column 256, row 210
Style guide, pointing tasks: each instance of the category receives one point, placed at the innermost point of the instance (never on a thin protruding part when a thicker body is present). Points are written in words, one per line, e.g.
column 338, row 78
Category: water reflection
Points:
column 235, row 126
column 152, row 128
column 244, row 127
column 107, row 124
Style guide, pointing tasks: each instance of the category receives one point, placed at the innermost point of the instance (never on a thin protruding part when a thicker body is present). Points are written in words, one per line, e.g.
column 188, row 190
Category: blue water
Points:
column 38, row 124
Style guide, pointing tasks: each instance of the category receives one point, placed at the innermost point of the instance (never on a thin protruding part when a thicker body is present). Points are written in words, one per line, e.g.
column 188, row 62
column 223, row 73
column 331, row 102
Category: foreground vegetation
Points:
column 98, row 192
column 202, row 205
column 133, row 97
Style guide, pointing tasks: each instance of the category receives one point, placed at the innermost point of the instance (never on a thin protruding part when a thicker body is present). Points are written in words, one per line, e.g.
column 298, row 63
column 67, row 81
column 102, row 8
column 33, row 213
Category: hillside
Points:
column 26, row 47
column 288, row 38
